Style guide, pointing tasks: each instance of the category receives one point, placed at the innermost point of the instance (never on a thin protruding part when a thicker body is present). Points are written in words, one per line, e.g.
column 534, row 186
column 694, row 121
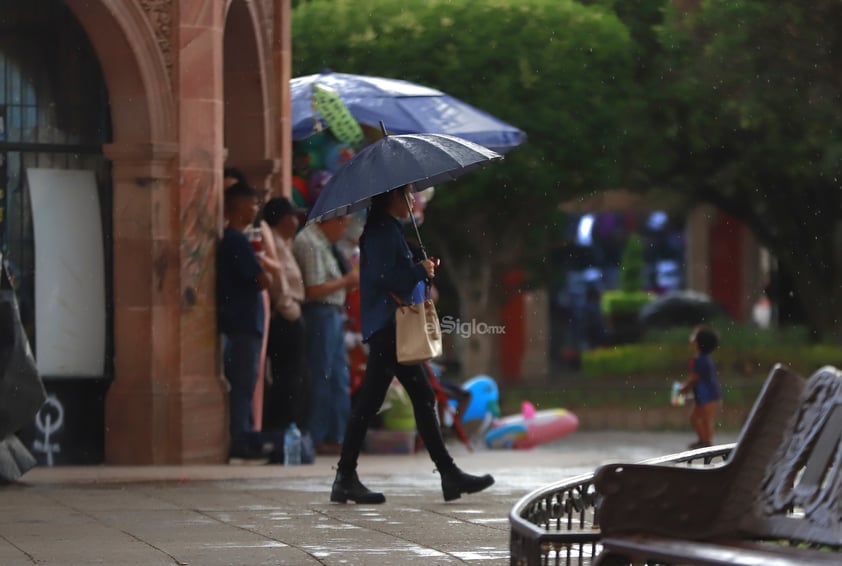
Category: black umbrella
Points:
column 681, row 308
column 394, row 161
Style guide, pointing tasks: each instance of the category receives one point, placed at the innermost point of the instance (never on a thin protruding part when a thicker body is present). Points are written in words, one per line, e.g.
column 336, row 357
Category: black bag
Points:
column 21, row 389
column 15, row 459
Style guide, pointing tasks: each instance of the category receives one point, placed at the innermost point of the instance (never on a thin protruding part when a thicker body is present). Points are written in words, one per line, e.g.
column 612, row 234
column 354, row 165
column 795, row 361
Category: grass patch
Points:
column 626, row 394
column 744, row 352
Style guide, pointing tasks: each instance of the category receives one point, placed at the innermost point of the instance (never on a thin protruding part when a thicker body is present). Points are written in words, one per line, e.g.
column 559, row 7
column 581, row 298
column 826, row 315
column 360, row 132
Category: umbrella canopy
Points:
column 681, row 308
column 394, row 161
column 406, row 107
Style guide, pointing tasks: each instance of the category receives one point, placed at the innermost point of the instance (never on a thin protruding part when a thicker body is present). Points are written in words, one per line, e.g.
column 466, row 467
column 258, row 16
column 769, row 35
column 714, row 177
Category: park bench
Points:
column 558, row 524
column 776, row 500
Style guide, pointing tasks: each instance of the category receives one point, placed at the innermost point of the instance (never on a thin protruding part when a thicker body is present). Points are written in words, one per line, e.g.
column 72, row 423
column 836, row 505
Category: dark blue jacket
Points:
column 239, row 300
column 386, row 265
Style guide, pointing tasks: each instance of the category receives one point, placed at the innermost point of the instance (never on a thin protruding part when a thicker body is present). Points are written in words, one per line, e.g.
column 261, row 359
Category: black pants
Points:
column 287, row 400
column 382, row 367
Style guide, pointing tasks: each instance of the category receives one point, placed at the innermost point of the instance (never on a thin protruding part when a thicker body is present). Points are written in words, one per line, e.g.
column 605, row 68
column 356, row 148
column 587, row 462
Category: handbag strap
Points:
column 415, row 225
column 417, row 233
column 402, row 303
column 398, row 300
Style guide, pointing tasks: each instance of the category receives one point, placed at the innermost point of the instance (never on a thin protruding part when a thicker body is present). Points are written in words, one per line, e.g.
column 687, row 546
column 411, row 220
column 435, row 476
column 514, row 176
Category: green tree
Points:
column 631, row 268
column 561, row 71
column 753, row 125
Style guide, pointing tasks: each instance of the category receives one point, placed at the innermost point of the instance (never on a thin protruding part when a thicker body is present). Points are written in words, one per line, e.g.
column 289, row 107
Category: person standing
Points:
column 262, row 235
column 323, row 310
column 241, row 280
column 287, row 398
column 386, row 267
column 704, row 383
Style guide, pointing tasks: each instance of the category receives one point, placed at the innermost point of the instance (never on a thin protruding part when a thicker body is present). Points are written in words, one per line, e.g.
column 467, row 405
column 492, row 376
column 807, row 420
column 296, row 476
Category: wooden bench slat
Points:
column 714, row 553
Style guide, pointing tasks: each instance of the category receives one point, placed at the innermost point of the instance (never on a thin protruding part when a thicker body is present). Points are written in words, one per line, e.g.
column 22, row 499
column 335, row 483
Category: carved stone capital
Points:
column 160, row 16
column 142, row 162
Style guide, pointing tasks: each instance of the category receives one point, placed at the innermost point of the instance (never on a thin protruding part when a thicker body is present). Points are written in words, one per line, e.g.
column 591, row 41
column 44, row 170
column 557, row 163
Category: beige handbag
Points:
column 418, row 334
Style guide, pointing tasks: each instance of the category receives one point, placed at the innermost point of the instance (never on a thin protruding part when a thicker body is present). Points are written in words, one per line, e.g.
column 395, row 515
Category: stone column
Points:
column 199, row 76
column 754, row 276
column 535, row 365
column 156, row 413
column 282, row 63
column 698, row 248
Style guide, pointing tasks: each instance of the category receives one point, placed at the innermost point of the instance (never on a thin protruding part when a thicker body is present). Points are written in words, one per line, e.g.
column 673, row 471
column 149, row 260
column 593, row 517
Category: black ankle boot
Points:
column 456, row 482
column 348, row 486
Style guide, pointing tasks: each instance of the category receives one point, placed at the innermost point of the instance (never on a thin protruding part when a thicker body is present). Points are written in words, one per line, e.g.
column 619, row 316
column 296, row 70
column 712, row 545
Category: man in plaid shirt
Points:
column 323, row 312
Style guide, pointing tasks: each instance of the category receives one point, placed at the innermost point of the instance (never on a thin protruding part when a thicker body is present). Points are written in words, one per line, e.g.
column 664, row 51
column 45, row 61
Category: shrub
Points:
column 624, row 302
column 631, row 265
column 743, row 351
column 631, row 360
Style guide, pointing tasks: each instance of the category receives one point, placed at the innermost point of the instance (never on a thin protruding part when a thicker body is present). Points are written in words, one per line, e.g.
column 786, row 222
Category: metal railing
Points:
column 558, row 524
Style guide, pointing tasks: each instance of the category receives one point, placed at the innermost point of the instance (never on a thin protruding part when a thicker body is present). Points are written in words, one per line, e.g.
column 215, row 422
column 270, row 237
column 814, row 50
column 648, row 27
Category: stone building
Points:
column 116, row 120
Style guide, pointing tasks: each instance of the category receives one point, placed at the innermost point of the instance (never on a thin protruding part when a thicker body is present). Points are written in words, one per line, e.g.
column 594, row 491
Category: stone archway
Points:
column 163, row 66
column 163, row 406
column 249, row 135
column 135, row 66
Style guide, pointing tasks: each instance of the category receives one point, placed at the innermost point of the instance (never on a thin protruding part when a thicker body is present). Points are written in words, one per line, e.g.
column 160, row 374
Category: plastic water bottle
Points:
column 292, row 446
column 677, row 399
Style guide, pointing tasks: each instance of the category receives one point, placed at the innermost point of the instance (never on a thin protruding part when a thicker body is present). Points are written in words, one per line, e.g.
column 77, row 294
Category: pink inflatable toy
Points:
column 530, row 428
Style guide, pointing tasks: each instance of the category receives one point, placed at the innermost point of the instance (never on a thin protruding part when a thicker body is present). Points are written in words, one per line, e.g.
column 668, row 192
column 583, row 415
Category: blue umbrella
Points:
column 394, row 161
column 408, row 109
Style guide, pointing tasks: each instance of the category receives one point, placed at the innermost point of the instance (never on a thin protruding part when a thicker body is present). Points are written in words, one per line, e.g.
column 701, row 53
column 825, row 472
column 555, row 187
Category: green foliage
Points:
column 631, row 265
column 630, row 298
column 559, row 70
column 735, row 335
column 623, row 302
column 634, row 360
column 731, row 103
column 752, row 125
column 743, row 351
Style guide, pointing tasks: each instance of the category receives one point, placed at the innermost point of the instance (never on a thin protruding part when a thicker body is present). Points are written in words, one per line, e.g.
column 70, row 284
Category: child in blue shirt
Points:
column 705, row 385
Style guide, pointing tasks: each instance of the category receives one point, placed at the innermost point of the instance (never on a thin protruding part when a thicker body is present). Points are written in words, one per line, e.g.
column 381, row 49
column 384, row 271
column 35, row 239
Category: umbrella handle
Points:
column 415, row 225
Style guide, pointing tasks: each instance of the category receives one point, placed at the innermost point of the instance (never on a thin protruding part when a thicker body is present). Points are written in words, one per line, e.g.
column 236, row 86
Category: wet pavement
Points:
column 249, row 515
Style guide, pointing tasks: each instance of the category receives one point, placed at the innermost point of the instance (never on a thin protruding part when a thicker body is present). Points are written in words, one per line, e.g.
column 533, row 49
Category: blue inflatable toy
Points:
column 485, row 399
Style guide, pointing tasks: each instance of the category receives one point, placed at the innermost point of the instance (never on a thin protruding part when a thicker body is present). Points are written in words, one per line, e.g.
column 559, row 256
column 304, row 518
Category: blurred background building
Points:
column 700, row 252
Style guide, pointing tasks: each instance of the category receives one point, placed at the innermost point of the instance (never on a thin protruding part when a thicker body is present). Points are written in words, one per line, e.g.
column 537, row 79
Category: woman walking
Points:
column 386, row 266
